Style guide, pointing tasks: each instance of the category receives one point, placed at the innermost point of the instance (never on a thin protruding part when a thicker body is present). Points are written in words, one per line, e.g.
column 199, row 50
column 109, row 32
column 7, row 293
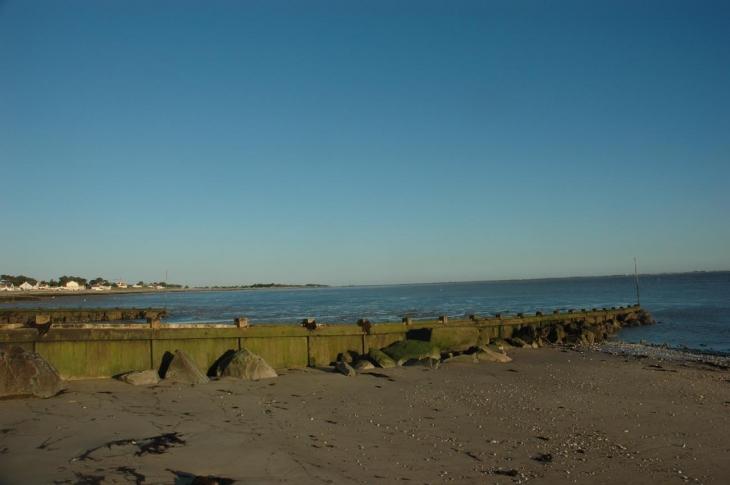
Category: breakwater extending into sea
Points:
column 691, row 310
column 97, row 350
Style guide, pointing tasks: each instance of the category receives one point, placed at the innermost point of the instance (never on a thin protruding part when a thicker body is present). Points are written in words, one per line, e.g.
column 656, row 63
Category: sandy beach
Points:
column 550, row 416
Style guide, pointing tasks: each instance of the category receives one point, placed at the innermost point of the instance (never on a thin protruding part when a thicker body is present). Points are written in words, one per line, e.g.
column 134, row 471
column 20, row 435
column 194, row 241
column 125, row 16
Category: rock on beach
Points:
column 148, row 377
column 182, row 369
column 24, row 373
column 364, row 364
column 486, row 354
column 345, row 369
column 381, row 359
column 244, row 364
column 404, row 351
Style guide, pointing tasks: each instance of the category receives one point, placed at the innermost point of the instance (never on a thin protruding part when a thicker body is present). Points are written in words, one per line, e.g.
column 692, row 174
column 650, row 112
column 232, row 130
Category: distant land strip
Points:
column 17, row 296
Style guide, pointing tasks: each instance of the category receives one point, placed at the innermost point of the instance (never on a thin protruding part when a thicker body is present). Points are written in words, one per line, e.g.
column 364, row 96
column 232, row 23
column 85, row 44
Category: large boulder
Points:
column 24, row 373
column 587, row 337
column 244, row 364
column 381, row 359
column 614, row 325
column 645, row 318
column 404, row 351
column 628, row 319
column 364, row 364
column 600, row 332
column 634, row 319
column 557, row 334
column 528, row 333
column 181, row 368
column 148, row 377
column 518, row 342
column 486, row 354
column 347, row 356
column 345, row 369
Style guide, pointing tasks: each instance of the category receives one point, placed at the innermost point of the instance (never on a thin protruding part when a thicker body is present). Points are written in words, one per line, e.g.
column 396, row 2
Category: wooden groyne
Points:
column 108, row 349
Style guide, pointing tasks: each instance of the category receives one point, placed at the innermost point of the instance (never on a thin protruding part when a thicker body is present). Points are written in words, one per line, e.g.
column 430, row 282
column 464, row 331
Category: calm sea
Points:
column 693, row 309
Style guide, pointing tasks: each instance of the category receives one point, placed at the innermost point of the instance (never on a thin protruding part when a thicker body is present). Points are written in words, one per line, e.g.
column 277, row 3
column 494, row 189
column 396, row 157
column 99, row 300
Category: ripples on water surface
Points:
column 693, row 309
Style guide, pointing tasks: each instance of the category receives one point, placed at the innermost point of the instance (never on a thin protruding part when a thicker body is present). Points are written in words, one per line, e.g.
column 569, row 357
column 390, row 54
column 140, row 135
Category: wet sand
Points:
column 551, row 416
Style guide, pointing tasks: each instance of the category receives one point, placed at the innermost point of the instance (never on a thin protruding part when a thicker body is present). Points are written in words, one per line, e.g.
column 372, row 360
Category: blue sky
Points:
column 363, row 142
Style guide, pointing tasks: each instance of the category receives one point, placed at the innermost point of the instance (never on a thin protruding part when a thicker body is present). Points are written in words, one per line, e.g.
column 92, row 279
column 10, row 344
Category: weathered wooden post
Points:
column 407, row 321
column 154, row 321
column 241, row 322
column 309, row 323
column 365, row 324
column 444, row 319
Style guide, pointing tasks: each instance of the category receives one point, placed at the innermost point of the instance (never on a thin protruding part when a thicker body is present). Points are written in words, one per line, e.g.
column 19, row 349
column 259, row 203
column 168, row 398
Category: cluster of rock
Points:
column 180, row 368
column 431, row 346
column 636, row 319
column 24, row 373
column 414, row 352
column 577, row 332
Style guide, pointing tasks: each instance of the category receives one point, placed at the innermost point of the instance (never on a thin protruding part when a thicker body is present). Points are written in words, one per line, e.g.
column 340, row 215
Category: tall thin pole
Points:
column 636, row 281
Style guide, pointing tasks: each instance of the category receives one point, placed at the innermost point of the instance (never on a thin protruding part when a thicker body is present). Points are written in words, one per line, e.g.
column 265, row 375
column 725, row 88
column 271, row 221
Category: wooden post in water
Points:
column 636, row 282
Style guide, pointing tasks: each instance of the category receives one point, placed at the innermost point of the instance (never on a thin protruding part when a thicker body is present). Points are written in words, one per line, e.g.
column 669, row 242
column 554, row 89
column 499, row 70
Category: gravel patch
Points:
column 663, row 352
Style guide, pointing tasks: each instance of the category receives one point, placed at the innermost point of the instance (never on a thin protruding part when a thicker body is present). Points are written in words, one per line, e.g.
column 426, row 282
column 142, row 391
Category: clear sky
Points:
column 352, row 142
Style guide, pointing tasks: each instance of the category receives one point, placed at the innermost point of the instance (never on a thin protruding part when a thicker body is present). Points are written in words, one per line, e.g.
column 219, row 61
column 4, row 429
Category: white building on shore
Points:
column 72, row 285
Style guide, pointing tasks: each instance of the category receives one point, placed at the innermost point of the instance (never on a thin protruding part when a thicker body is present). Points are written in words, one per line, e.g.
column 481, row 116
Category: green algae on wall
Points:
column 92, row 350
column 323, row 349
column 279, row 352
column 101, row 358
column 203, row 351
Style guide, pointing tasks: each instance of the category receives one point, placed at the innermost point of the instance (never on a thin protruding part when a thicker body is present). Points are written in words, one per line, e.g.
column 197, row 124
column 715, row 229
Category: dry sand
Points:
column 551, row 416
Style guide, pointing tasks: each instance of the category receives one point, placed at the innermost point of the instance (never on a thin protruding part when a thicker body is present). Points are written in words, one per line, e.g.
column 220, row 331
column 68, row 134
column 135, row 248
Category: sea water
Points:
column 692, row 309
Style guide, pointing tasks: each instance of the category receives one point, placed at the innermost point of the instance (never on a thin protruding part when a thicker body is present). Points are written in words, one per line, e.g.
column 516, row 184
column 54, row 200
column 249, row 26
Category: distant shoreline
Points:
column 45, row 295
column 42, row 295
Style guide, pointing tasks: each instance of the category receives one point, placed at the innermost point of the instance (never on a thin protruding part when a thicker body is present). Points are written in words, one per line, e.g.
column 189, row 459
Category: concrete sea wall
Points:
column 105, row 350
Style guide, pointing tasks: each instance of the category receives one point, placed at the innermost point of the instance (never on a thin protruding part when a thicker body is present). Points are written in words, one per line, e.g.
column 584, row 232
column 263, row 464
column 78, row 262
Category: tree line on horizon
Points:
column 17, row 280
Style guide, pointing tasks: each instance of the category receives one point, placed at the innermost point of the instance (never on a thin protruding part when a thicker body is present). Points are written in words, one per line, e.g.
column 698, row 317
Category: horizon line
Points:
column 498, row 280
